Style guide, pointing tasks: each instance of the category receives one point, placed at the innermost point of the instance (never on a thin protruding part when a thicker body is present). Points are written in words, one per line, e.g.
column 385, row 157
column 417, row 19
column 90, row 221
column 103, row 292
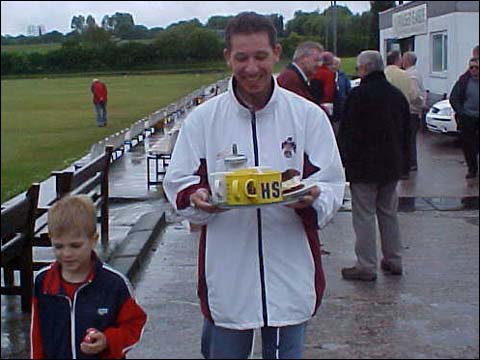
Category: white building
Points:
column 441, row 33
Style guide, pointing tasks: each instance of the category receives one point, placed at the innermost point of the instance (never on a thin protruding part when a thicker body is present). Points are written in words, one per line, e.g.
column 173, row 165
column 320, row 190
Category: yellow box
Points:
column 253, row 186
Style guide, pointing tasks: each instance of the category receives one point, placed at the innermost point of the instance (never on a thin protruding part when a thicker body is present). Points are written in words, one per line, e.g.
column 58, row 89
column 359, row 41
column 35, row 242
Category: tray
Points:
column 298, row 193
column 287, row 199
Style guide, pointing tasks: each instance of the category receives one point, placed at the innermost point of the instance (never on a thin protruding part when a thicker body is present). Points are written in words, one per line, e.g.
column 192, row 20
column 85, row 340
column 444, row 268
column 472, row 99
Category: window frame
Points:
column 442, row 72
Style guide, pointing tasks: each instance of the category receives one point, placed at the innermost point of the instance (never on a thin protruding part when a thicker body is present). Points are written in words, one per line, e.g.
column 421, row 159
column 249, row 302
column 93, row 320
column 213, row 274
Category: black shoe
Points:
column 354, row 273
column 413, row 168
column 392, row 269
column 405, row 177
column 471, row 175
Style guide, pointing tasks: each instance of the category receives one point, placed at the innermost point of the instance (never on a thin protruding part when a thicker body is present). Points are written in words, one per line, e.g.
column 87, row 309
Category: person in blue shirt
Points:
column 342, row 83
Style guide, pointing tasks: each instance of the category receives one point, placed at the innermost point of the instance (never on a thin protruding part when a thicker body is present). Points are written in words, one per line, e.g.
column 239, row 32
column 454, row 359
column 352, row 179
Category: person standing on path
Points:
column 409, row 61
column 375, row 134
column 342, row 83
column 100, row 95
column 401, row 80
column 322, row 84
column 297, row 74
column 258, row 267
column 464, row 100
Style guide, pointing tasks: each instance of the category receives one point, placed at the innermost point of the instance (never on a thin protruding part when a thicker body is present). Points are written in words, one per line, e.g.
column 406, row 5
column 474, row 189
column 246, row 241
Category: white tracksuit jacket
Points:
column 258, row 266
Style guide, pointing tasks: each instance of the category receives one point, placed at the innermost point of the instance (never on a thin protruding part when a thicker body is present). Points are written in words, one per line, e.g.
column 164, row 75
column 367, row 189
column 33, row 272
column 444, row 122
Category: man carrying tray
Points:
column 258, row 267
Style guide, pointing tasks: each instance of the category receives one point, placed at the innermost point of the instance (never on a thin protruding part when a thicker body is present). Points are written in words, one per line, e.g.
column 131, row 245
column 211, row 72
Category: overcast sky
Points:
column 57, row 15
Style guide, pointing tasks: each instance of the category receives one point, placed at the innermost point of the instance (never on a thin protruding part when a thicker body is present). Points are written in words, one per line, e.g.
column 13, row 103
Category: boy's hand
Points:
column 94, row 342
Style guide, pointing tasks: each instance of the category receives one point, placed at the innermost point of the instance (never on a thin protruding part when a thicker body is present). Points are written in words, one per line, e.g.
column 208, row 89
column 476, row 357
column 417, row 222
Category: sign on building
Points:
column 410, row 22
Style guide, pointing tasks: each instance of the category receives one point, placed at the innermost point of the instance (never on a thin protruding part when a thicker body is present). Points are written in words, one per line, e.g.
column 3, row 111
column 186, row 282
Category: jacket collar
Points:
column 243, row 110
column 53, row 277
column 293, row 66
column 373, row 76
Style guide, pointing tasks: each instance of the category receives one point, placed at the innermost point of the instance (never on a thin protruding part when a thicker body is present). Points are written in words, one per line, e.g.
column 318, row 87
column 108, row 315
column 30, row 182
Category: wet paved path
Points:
column 429, row 312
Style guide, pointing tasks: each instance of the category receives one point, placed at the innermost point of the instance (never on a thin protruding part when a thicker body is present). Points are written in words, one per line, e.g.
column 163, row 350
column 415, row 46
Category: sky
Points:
column 57, row 15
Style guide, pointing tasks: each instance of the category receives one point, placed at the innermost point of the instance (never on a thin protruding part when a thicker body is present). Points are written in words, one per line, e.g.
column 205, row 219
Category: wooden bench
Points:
column 161, row 151
column 92, row 180
column 18, row 223
column 135, row 134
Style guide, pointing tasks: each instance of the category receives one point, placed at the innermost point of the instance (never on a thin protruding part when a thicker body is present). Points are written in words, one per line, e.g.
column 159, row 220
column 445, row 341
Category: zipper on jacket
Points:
column 259, row 221
column 72, row 319
column 72, row 326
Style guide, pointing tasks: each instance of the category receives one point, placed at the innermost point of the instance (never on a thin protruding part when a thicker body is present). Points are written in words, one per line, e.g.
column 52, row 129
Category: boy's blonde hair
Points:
column 74, row 216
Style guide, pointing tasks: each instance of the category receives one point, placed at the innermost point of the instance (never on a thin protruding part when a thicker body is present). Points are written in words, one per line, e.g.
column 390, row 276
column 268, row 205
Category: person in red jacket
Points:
column 323, row 83
column 297, row 74
column 81, row 308
column 99, row 91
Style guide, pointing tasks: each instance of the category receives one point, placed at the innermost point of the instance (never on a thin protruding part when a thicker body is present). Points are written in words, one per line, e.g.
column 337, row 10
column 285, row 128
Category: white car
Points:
column 441, row 118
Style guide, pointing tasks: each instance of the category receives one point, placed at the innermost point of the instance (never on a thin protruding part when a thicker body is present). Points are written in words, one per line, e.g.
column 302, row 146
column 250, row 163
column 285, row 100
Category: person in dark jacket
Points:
column 297, row 74
column 100, row 96
column 81, row 307
column 342, row 83
column 464, row 100
column 375, row 135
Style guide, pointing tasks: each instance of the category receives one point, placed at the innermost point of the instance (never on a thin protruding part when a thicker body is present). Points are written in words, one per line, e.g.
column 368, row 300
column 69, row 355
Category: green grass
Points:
column 48, row 123
column 348, row 67
column 29, row 48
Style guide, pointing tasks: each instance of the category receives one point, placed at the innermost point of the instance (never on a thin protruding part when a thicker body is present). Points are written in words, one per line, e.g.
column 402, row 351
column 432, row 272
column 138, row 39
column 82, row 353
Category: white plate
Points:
column 287, row 199
column 283, row 202
column 299, row 192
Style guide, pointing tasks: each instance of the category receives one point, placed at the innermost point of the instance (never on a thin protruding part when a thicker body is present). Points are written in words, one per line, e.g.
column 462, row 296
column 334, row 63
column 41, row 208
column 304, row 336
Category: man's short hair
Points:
column 250, row 23
column 371, row 59
column 327, row 58
column 411, row 57
column 72, row 216
column 306, row 48
column 392, row 57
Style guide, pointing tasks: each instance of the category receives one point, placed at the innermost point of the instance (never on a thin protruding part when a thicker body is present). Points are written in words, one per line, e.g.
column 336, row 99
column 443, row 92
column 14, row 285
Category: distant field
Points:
column 40, row 48
column 46, row 124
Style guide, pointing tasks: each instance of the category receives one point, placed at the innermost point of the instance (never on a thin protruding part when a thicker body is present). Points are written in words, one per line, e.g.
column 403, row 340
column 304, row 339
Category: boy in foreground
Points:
column 81, row 307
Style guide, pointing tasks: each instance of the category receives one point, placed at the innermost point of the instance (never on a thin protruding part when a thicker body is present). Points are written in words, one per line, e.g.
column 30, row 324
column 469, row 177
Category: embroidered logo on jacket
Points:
column 102, row 311
column 289, row 147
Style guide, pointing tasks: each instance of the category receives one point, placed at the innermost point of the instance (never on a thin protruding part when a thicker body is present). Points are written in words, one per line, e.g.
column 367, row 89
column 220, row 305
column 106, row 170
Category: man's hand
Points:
column 94, row 342
column 199, row 199
column 306, row 200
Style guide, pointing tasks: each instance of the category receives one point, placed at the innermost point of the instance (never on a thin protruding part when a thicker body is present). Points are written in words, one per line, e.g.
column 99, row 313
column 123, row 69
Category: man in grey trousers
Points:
column 375, row 139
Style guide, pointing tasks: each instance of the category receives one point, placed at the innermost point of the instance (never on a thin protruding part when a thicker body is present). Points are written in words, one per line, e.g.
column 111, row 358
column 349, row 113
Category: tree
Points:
column 277, row 21
column 91, row 22
column 107, row 23
column 96, row 36
column 120, row 24
column 78, row 23
column 218, row 22
column 53, row 37
column 375, row 8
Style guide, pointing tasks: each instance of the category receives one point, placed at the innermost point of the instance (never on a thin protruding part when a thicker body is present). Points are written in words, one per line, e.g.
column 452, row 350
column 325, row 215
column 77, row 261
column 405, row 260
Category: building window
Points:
column 439, row 52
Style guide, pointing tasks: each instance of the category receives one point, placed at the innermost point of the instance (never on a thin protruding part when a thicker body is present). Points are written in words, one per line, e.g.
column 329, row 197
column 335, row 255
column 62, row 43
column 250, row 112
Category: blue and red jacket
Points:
column 105, row 302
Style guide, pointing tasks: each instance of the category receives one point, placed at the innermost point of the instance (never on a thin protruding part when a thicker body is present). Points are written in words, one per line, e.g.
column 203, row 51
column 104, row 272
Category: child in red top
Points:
column 81, row 307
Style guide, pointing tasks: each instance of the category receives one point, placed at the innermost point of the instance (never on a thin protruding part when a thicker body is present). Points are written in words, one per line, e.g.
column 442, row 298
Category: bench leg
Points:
column 26, row 283
column 8, row 277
